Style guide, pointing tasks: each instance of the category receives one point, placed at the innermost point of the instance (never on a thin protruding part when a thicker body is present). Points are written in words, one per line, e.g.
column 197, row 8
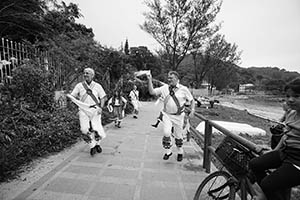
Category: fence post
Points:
column 207, row 143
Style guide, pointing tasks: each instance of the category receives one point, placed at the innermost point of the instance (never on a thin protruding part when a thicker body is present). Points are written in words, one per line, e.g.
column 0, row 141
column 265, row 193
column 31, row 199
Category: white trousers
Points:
column 96, row 125
column 136, row 105
column 175, row 121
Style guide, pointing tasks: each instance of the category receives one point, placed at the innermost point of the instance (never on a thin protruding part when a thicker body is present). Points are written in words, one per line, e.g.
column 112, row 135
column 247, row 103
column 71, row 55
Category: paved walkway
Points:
column 129, row 168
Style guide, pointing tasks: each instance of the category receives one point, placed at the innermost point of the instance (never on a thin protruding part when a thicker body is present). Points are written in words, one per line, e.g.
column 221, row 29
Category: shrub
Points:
column 31, row 135
column 30, row 126
column 33, row 84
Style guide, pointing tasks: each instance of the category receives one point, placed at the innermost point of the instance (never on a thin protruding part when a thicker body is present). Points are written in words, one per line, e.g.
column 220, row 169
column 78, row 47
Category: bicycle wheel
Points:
column 216, row 186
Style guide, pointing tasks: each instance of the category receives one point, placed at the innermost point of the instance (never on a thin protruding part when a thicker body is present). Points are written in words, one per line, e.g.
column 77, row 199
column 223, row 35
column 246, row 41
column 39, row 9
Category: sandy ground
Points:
column 271, row 111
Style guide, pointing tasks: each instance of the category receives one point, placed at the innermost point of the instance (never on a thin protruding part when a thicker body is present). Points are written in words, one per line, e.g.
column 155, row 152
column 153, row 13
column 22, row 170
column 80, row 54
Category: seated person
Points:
column 285, row 158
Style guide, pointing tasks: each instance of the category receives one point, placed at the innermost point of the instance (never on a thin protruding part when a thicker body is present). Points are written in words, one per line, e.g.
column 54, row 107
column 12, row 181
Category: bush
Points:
column 33, row 84
column 30, row 126
column 32, row 135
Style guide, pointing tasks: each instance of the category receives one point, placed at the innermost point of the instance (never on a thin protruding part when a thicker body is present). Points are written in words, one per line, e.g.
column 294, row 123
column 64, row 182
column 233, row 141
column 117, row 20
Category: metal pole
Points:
column 207, row 143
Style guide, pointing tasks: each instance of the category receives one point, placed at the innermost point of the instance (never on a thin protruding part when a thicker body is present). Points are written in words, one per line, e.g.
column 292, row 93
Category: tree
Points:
column 218, row 58
column 142, row 59
column 20, row 20
column 61, row 20
column 275, row 86
column 176, row 23
column 126, row 47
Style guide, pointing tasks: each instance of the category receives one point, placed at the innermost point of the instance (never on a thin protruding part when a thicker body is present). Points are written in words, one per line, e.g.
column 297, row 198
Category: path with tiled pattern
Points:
column 129, row 168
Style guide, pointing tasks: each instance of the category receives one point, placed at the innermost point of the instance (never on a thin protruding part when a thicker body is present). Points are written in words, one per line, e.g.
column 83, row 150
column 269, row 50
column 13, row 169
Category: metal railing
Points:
column 206, row 139
column 14, row 53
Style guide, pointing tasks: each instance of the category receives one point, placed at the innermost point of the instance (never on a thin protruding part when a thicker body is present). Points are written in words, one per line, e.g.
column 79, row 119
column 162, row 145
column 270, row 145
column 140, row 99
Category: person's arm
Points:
column 124, row 101
column 150, row 85
column 75, row 91
column 130, row 95
column 102, row 101
column 281, row 143
column 102, row 97
column 192, row 108
column 190, row 98
column 109, row 105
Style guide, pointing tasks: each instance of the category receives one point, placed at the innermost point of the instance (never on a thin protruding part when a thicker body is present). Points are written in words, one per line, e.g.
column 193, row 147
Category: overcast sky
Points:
column 267, row 31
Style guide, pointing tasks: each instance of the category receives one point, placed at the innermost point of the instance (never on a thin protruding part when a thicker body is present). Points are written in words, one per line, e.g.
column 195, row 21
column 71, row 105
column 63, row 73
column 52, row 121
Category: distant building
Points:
column 204, row 90
column 246, row 88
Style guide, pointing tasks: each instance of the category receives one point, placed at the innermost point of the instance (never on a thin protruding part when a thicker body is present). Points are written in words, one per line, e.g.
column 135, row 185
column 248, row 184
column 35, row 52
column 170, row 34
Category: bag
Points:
column 234, row 156
column 277, row 132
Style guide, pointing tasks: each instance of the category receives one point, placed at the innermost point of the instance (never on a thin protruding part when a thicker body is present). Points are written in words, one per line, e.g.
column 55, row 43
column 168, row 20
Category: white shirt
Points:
column 134, row 95
column 117, row 102
column 80, row 91
column 182, row 93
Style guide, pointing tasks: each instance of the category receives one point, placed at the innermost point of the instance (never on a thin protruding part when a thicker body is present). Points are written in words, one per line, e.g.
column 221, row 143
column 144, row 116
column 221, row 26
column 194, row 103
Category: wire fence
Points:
column 14, row 53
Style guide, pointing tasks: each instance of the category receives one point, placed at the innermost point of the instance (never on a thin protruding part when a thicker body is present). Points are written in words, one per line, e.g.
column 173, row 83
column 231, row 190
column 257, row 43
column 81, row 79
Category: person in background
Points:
column 175, row 96
column 117, row 104
column 285, row 158
column 134, row 97
column 92, row 94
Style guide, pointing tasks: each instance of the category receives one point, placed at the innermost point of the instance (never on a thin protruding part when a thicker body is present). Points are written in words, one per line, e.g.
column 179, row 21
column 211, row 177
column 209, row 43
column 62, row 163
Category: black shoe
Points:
column 93, row 151
column 154, row 125
column 119, row 125
column 135, row 117
column 98, row 148
column 179, row 157
column 167, row 156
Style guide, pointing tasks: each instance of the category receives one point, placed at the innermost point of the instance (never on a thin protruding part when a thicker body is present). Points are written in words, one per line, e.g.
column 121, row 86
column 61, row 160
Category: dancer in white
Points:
column 175, row 96
column 134, row 97
column 117, row 105
column 91, row 98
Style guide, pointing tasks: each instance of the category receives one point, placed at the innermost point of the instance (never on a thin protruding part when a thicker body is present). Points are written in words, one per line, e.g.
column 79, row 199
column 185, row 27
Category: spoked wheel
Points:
column 216, row 186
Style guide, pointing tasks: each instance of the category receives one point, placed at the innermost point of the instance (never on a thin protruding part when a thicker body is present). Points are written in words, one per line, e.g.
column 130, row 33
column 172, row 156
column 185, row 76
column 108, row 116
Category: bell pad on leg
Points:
column 178, row 142
column 166, row 142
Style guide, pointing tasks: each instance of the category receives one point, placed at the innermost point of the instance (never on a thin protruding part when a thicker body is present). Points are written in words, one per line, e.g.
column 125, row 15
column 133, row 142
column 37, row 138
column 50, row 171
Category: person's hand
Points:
column 149, row 76
column 262, row 149
column 99, row 111
column 192, row 113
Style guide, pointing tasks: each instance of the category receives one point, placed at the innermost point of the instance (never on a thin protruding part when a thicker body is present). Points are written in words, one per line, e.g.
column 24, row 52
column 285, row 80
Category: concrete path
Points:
column 129, row 168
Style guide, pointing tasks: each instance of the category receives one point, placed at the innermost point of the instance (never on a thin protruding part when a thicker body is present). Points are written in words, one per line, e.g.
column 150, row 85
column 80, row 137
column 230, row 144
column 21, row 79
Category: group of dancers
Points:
column 90, row 97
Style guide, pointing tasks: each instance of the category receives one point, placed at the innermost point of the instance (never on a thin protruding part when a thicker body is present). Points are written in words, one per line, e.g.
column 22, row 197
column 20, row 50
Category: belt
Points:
column 175, row 113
